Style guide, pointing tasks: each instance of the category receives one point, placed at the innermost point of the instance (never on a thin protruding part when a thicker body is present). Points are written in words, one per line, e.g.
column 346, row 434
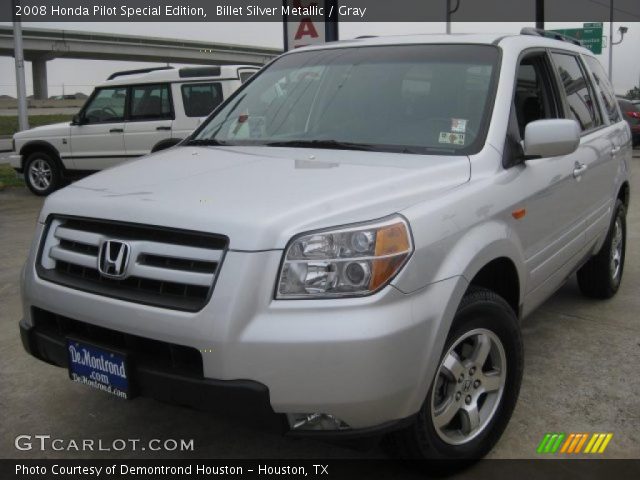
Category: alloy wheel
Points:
column 40, row 174
column 469, row 386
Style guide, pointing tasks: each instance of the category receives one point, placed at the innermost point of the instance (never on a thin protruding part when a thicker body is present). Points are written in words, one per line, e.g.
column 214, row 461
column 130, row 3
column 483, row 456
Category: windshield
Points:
column 409, row 98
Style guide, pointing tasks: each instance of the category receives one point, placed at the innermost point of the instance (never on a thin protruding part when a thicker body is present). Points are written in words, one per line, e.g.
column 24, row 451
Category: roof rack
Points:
column 366, row 36
column 135, row 72
column 538, row 32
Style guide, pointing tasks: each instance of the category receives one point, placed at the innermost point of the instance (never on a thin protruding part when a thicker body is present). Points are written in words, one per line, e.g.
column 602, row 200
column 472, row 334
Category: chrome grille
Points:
column 167, row 268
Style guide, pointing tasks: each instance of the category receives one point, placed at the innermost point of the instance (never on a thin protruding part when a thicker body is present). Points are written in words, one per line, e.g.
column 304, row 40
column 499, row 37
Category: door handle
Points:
column 615, row 150
column 163, row 128
column 116, row 130
column 578, row 169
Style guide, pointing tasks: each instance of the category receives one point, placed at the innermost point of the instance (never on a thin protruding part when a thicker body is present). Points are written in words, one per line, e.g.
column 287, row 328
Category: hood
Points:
column 259, row 196
column 40, row 132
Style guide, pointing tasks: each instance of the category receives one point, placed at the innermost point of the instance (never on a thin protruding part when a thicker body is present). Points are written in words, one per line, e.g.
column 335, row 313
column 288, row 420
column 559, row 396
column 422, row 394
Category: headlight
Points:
column 349, row 261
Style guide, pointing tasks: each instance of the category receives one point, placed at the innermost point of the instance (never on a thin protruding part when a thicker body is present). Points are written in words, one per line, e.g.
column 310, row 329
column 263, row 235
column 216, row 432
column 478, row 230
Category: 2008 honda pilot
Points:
column 349, row 243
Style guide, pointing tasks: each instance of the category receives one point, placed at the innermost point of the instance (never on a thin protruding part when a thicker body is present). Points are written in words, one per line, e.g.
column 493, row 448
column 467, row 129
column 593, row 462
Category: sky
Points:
column 83, row 75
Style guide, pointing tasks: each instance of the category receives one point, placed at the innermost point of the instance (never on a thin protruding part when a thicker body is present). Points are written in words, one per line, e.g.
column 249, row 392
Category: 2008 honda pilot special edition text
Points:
column 348, row 244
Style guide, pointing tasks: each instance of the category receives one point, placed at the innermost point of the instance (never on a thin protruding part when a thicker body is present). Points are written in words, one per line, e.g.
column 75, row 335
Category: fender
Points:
column 463, row 255
column 40, row 145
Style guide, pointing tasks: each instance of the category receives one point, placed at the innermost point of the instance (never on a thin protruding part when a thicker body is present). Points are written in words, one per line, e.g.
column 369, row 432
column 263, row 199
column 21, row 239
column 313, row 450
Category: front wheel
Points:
column 42, row 173
column 475, row 388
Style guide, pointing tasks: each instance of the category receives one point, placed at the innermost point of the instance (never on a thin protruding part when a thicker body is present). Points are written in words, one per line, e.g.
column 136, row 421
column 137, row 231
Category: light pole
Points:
column 21, row 88
column 451, row 12
column 622, row 31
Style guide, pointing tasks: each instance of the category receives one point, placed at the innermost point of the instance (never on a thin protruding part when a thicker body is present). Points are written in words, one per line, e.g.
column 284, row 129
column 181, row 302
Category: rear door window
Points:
column 200, row 99
column 581, row 102
column 150, row 102
column 605, row 89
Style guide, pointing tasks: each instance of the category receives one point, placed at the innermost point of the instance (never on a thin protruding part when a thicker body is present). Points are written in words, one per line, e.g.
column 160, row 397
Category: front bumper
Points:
column 237, row 397
column 15, row 160
column 366, row 361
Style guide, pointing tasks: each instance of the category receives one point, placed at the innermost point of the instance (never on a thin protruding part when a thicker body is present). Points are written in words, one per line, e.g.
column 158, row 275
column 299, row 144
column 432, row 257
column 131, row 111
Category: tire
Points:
column 42, row 173
column 600, row 277
column 484, row 317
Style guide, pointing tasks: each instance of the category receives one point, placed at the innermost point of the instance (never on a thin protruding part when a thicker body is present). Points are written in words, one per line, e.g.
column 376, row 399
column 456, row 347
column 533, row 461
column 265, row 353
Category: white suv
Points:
column 131, row 114
column 348, row 244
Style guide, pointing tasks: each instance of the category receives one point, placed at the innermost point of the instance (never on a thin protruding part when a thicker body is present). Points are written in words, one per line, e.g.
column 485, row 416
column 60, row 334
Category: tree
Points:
column 633, row 94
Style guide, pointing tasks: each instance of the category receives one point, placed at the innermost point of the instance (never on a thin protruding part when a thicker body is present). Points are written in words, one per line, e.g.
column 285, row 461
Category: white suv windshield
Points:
column 410, row 98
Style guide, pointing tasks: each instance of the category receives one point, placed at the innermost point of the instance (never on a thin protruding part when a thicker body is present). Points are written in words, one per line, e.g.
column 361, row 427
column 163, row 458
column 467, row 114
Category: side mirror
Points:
column 551, row 138
column 76, row 120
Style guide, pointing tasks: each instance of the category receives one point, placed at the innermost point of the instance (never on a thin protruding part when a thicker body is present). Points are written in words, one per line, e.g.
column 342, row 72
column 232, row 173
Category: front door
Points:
column 98, row 141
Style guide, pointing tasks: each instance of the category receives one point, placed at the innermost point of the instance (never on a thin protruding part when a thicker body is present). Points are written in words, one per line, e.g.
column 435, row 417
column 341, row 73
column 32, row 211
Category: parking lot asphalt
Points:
column 581, row 375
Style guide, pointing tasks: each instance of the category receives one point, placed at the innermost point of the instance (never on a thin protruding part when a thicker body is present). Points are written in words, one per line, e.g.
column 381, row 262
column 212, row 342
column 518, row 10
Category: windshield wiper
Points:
column 328, row 144
column 203, row 142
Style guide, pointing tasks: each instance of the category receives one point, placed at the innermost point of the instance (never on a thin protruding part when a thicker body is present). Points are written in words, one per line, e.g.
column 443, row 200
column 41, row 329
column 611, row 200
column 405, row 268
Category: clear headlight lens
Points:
column 350, row 261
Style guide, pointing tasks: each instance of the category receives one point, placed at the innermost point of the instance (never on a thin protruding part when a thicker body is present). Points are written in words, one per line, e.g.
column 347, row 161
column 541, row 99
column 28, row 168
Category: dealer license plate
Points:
column 98, row 367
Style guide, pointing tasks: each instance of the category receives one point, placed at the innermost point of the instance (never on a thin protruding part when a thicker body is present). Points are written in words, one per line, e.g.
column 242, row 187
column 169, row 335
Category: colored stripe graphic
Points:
column 573, row 443
column 550, row 443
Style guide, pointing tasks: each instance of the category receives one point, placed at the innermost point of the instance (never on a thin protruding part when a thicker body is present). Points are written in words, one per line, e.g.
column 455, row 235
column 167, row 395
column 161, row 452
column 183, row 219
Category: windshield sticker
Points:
column 451, row 138
column 459, row 125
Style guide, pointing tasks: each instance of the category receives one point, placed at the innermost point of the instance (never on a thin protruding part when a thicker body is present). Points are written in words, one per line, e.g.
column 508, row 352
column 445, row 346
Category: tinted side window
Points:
column 605, row 89
column 200, row 99
column 244, row 76
column 582, row 106
column 106, row 106
column 534, row 97
column 150, row 102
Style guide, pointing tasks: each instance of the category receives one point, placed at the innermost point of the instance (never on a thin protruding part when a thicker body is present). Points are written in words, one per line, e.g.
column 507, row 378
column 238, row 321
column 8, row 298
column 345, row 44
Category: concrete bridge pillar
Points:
column 39, row 73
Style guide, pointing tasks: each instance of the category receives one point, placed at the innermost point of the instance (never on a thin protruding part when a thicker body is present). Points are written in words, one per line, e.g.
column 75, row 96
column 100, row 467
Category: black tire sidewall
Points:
column 620, row 213
column 481, row 309
column 55, row 173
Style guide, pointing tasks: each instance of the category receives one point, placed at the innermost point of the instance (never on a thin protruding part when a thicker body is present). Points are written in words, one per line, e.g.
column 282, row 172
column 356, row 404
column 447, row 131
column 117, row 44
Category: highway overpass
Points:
column 41, row 45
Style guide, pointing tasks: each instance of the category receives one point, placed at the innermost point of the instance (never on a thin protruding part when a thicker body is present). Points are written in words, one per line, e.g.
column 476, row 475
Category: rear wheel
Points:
column 475, row 388
column 42, row 173
column 600, row 277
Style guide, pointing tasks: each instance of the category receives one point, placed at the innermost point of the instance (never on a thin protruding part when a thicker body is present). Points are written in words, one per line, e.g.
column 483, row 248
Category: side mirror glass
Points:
column 76, row 120
column 551, row 138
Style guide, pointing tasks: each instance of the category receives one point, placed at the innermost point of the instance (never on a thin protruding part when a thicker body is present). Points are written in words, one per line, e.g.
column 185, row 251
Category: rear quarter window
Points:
column 200, row 99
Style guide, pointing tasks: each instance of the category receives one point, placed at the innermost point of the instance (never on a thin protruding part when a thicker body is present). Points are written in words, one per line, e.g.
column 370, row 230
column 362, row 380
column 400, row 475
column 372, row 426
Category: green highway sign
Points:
column 590, row 35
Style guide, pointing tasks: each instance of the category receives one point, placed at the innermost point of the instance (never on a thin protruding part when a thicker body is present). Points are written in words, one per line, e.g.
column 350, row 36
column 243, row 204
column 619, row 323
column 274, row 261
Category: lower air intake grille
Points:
column 153, row 353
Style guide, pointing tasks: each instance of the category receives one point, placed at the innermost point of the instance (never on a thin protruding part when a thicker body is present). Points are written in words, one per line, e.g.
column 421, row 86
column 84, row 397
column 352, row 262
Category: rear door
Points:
column 594, row 168
column 150, row 118
column 616, row 134
column 98, row 142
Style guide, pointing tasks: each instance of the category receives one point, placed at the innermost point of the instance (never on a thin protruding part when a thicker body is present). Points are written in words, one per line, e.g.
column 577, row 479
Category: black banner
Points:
column 555, row 469
column 346, row 10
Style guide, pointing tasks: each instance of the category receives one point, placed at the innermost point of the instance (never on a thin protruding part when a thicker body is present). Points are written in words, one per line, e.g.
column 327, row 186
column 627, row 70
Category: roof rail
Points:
column 135, row 72
column 538, row 32
column 366, row 36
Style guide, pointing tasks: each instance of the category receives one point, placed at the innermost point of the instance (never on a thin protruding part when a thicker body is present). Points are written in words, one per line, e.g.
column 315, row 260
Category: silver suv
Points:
column 348, row 244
